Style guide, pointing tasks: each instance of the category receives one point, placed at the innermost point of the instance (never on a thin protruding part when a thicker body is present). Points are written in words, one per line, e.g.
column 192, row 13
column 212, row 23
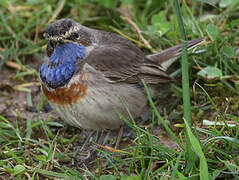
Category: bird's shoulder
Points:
column 118, row 59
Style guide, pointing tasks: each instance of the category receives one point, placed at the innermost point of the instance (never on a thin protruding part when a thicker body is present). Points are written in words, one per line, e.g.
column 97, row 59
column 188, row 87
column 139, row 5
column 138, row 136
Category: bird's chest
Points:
column 83, row 105
column 94, row 107
column 93, row 104
column 66, row 95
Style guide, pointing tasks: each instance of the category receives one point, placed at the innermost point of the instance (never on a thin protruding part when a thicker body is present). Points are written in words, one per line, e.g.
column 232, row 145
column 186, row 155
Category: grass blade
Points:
column 159, row 117
column 198, row 150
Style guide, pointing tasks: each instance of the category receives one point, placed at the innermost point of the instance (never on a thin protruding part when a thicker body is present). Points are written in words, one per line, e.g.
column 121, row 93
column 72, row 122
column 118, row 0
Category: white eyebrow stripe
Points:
column 66, row 35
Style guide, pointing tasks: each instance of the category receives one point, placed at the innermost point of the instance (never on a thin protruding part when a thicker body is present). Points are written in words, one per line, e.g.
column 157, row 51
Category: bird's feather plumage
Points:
column 99, row 66
column 61, row 65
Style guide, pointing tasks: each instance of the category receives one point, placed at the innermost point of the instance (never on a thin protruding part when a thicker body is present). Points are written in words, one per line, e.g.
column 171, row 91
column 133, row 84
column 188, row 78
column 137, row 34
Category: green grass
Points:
column 38, row 146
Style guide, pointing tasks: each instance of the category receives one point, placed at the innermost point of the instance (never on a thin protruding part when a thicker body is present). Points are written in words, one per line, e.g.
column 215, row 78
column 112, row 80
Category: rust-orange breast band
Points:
column 64, row 96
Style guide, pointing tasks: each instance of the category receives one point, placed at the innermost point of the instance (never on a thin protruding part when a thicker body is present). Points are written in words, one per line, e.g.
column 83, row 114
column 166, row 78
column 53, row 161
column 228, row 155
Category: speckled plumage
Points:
column 100, row 67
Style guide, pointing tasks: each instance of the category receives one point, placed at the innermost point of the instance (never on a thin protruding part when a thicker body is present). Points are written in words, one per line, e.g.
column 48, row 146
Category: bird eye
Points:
column 46, row 36
column 60, row 40
column 76, row 36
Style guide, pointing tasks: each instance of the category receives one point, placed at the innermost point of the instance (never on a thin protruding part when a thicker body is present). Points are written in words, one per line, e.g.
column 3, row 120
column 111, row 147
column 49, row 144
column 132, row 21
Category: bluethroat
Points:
column 87, row 70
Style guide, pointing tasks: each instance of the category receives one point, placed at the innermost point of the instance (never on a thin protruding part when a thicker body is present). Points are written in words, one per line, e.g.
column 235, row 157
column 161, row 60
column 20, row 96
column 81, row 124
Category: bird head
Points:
column 65, row 49
column 64, row 31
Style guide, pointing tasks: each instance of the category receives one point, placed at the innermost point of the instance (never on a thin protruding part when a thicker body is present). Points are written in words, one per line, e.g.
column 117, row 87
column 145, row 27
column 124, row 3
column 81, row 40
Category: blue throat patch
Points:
column 61, row 67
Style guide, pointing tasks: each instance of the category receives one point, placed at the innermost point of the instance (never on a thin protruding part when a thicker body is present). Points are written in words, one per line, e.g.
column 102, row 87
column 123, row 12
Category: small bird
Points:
column 87, row 70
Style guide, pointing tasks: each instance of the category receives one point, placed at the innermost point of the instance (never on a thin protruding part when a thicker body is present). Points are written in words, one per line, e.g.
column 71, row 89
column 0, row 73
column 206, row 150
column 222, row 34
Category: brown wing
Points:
column 125, row 62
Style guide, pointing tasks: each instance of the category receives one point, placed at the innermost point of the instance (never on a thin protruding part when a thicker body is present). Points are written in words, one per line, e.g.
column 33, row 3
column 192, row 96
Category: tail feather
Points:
column 166, row 57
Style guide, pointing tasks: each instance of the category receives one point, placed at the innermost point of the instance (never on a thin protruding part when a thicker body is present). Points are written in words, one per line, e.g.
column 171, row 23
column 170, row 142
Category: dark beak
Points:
column 61, row 41
column 50, row 48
